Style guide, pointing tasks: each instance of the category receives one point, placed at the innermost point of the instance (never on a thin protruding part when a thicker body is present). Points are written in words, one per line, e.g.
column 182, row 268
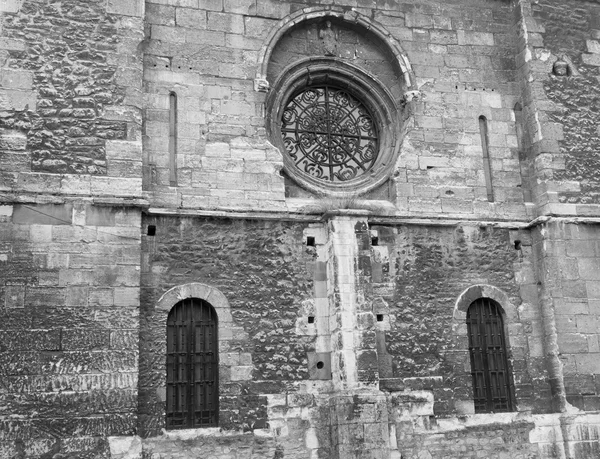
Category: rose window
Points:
column 329, row 134
column 336, row 127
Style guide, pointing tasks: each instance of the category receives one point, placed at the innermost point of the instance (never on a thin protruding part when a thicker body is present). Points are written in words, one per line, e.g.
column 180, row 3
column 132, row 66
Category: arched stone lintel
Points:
column 466, row 298
column 351, row 16
column 201, row 291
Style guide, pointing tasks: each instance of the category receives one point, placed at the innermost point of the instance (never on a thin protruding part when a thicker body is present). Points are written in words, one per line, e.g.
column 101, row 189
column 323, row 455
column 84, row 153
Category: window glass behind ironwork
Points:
column 492, row 385
column 192, row 365
column 329, row 134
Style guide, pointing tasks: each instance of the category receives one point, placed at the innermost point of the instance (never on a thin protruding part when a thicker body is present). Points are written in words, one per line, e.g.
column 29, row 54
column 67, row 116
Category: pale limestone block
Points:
column 12, row 44
column 433, row 161
column 246, row 358
column 593, row 46
column 13, row 140
column 75, row 184
column 77, row 296
column 121, row 113
column 57, row 260
column 466, row 37
column 227, row 194
column 272, row 9
column 128, row 218
column 40, row 233
column 194, row 201
column 512, row 141
column 242, row 42
column 127, row 296
column 13, row 99
column 125, row 447
column 589, row 268
column 265, row 167
column 129, row 77
column 16, row 79
column 41, row 183
column 193, row 117
column 120, row 149
column 187, row 17
column 125, row 7
column 492, row 100
column 218, row 92
column 201, row 37
column 157, row 101
column 240, row 6
column 591, row 59
column 234, row 107
column 6, row 211
column 224, row 165
column 15, row 297
column 229, row 358
column 10, row 6
column 219, row 149
column 113, row 186
column 422, row 205
column 588, row 363
column 241, row 373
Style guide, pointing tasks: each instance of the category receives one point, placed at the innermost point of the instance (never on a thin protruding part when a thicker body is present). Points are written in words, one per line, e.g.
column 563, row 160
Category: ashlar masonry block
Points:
column 10, row 6
column 126, row 7
column 193, row 18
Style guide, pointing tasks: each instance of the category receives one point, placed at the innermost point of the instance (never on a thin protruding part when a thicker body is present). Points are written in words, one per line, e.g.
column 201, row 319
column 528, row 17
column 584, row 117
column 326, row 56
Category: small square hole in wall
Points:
column 151, row 230
column 375, row 241
column 310, row 241
column 379, row 317
column 311, row 319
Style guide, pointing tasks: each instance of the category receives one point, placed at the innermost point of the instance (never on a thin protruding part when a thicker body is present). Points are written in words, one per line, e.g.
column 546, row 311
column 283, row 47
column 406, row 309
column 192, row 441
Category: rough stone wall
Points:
column 71, row 100
column 573, row 30
column 63, row 129
column 70, row 148
column 266, row 273
column 558, row 122
column 418, row 274
column 570, row 260
column 71, row 76
column 69, row 286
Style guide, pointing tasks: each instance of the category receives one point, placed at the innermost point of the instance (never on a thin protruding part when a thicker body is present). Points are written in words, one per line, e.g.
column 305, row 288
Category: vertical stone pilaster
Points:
column 358, row 411
column 343, row 306
column 544, row 259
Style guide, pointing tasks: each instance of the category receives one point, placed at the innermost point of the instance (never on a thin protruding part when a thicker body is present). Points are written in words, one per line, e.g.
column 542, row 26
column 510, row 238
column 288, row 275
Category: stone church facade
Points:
column 299, row 229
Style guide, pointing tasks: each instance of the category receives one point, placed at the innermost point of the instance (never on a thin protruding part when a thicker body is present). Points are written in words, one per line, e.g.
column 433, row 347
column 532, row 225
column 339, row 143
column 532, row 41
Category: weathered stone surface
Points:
column 80, row 330
column 265, row 288
column 61, row 116
column 69, row 362
column 576, row 97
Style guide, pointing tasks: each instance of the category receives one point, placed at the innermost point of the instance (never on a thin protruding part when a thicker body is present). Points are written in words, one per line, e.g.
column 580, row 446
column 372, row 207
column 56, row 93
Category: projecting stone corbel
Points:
column 261, row 85
column 415, row 95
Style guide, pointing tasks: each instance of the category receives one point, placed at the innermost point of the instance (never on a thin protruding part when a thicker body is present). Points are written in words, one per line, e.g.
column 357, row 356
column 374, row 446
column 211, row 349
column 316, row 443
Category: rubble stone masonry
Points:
column 141, row 165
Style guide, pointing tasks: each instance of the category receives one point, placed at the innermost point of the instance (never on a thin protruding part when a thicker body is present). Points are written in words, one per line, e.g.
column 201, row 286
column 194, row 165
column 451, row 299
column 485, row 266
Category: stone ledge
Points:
column 391, row 384
column 7, row 198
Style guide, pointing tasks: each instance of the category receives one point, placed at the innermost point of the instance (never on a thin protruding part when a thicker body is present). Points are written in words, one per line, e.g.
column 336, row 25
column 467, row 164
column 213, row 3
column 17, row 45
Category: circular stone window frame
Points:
column 359, row 84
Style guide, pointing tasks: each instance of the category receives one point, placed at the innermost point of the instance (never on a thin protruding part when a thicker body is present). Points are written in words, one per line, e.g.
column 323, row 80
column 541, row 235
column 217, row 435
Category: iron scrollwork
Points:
column 329, row 134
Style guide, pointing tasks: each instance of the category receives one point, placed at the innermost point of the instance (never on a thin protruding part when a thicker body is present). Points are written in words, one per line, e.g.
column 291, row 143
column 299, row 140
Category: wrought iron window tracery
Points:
column 493, row 391
column 192, row 365
column 329, row 134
